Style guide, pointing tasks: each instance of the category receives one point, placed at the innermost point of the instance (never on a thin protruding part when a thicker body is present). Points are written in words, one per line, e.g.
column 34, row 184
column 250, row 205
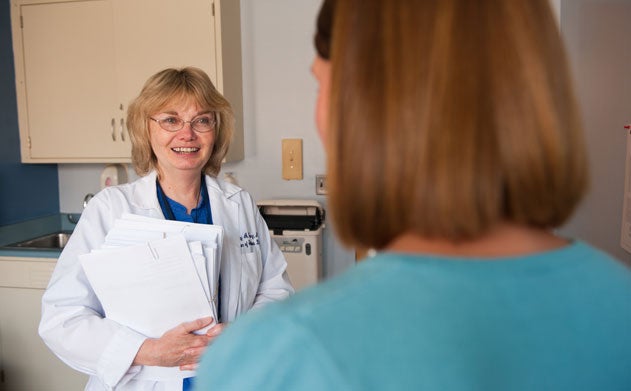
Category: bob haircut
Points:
column 185, row 84
column 448, row 117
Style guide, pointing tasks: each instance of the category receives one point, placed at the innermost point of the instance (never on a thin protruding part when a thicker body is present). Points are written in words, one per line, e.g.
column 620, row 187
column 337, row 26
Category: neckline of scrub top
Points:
column 173, row 210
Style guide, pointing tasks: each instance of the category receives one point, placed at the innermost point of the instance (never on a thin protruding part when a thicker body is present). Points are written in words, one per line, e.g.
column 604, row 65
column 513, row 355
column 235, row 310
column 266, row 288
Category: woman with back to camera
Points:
column 454, row 149
column 180, row 128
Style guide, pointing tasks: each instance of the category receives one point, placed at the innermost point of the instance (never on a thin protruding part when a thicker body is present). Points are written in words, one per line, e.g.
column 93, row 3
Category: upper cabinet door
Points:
column 79, row 63
column 66, row 82
column 152, row 35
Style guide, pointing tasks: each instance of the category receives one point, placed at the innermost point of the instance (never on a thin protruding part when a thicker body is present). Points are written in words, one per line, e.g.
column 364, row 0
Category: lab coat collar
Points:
column 144, row 194
column 224, row 209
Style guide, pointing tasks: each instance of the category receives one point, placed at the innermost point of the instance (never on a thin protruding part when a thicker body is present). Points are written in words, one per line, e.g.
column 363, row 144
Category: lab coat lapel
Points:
column 225, row 213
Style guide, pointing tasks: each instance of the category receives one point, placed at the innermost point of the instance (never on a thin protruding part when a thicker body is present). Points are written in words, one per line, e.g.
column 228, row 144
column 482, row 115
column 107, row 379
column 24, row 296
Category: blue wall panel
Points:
column 27, row 191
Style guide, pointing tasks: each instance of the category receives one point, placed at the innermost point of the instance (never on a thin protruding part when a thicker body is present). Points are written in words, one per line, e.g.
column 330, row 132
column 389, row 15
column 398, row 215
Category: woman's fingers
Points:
column 188, row 367
column 177, row 347
column 216, row 330
column 197, row 324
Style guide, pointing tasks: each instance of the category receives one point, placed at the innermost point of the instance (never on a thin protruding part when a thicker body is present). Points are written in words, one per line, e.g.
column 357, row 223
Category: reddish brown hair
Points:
column 448, row 117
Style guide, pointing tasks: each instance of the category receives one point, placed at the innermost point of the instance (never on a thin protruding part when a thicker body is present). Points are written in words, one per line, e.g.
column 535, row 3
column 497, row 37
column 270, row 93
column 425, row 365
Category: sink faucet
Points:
column 86, row 199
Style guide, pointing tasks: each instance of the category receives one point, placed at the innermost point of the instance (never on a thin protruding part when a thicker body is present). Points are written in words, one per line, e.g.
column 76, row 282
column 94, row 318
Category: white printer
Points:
column 296, row 226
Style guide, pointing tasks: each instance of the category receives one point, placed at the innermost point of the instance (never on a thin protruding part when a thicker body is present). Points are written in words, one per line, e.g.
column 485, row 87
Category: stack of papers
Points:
column 153, row 274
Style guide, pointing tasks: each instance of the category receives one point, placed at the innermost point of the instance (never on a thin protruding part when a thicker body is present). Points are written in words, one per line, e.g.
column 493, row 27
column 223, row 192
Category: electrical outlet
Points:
column 321, row 184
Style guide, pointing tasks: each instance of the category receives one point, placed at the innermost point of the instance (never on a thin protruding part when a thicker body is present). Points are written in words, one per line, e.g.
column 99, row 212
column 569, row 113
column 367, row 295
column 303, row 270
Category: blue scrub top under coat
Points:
column 173, row 210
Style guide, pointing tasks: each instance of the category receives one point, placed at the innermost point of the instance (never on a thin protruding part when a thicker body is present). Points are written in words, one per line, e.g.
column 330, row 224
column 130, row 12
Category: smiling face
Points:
column 183, row 152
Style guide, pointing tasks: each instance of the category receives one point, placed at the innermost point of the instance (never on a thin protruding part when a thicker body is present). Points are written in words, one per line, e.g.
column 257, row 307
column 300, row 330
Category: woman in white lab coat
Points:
column 180, row 128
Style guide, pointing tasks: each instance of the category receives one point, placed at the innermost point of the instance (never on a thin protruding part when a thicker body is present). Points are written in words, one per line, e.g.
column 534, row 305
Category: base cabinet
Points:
column 26, row 364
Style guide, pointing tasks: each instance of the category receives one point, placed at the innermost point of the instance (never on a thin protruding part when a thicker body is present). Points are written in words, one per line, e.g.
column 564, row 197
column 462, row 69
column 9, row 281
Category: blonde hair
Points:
column 448, row 117
column 178, row 85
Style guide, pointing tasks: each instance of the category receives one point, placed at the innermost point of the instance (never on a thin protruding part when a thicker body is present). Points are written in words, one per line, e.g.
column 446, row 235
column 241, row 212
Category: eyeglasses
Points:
column 201, row 124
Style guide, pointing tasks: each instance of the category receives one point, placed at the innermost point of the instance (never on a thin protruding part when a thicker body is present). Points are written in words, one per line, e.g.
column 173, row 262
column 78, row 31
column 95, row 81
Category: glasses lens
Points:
column 171, row 124
column 203, row 123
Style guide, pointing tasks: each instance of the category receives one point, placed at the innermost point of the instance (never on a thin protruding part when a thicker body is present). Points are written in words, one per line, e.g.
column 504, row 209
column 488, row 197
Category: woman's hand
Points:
column 212, row 333
column 178, row 346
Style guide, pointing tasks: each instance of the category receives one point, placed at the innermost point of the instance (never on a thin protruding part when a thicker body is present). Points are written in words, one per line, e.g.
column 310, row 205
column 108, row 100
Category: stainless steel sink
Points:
column 54, row 241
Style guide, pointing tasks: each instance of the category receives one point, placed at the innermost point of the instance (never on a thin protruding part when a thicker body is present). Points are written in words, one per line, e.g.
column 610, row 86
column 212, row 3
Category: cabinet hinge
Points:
column 21, row 22
column 213, row 8
column 29, row 142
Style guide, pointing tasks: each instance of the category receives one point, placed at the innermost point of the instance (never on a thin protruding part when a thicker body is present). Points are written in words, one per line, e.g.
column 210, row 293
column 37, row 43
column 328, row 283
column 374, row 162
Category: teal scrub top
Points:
column 559, row 320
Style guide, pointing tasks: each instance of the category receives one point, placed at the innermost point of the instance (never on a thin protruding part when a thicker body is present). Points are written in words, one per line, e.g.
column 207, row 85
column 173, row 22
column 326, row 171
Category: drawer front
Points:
column 26, row 272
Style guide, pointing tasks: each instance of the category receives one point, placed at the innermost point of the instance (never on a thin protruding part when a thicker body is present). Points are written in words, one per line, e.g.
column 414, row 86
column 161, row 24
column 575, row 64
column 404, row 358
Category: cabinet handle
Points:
column 113, row 130
column 122, row 129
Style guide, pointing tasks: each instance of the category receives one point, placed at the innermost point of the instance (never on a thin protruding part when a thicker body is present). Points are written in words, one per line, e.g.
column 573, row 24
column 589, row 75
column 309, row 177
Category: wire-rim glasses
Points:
column 203, row 123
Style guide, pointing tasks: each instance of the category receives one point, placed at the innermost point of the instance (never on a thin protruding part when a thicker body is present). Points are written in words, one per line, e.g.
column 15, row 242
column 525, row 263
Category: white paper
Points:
column 212, row 270
column 136, row 229
column 151, row 287
column 205, row 262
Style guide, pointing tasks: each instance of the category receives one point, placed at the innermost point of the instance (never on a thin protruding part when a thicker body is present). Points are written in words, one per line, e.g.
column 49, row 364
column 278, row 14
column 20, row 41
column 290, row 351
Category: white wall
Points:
column 556, row 6
column 279, row 97
column 598, row 39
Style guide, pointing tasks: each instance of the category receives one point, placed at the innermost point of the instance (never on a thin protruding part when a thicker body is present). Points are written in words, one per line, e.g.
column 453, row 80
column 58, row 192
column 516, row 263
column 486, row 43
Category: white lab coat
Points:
column 72, row 323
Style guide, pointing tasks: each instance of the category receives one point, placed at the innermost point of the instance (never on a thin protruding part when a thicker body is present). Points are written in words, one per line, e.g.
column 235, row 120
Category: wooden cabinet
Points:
column 26, row 363
column 79, row 63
